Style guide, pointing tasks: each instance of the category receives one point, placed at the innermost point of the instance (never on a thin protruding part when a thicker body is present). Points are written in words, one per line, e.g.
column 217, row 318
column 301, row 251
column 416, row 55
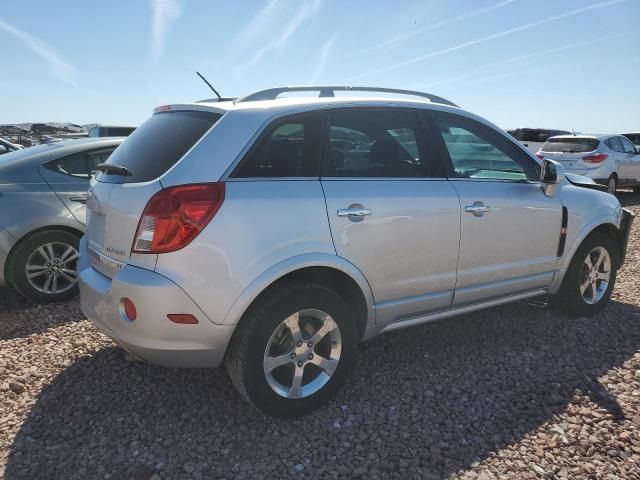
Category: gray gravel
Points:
column 512, row 392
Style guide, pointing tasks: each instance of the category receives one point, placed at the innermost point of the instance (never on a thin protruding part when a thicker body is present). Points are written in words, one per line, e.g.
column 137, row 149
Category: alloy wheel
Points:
column 51, row 268
column 595, row 275
column 302, row 354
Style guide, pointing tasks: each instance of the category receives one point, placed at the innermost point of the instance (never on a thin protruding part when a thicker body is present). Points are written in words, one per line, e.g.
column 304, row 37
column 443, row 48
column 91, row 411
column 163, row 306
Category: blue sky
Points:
column 549, row 63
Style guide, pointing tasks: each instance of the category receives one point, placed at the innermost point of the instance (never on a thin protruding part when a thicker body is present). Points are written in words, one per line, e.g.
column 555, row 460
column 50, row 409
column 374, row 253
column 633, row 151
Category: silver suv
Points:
column 275, row 234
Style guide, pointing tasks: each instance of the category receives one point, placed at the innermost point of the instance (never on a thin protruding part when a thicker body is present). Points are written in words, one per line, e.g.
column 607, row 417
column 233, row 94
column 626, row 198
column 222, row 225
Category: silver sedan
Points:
column 42, row 214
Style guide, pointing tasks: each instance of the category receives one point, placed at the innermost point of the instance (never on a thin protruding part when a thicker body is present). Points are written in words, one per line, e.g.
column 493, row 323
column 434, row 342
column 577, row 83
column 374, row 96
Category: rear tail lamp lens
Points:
column 174, row 216
column 540, row 156
column 598, row 158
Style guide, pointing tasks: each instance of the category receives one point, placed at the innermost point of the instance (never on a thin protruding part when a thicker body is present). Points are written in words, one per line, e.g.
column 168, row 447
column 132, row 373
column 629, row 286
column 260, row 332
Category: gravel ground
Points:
column 511, row 392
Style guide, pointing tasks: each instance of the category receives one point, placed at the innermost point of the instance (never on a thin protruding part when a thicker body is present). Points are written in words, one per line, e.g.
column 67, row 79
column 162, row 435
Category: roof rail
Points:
column 329, row 91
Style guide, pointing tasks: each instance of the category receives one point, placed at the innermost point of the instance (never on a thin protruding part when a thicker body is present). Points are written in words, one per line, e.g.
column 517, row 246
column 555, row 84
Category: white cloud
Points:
column 323, row 57
column 521, row 28
column 399, row 38
column 60, row 68
column 275, row 41
column 163, row 14
column 258, row 24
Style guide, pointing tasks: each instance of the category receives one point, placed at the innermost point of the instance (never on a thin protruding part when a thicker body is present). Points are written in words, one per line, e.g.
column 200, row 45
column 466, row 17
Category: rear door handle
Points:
column 79, row 198
column 354, row 212
column 478, row 209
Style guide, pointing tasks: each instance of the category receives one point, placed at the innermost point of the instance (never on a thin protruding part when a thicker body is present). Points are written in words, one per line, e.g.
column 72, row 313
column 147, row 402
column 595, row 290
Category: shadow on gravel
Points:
column 20, row 317
column 435, row 398
column 628, row 198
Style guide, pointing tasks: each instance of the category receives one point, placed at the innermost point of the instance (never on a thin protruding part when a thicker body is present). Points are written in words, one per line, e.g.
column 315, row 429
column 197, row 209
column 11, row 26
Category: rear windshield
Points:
column 155, row 146
column 570, row 145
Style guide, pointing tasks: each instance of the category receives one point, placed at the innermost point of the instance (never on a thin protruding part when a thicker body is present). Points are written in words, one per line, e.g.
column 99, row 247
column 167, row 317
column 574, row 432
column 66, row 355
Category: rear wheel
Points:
column 612, row 185
column 44, row 266
column 590, row 278
column 293, row 350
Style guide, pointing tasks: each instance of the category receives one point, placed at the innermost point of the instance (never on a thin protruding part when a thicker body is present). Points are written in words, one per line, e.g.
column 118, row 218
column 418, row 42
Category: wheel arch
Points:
column 8, row 264
column 325, row 269
column 602, row 224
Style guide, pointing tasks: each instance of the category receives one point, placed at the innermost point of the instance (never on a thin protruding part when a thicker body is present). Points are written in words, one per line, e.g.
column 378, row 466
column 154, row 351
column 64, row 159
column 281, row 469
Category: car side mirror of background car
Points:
column 551, row 174
column 3, row 149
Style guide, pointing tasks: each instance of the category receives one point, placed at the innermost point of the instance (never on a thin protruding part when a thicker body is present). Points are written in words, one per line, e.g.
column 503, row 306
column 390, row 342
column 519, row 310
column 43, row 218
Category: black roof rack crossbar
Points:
column 329, row 91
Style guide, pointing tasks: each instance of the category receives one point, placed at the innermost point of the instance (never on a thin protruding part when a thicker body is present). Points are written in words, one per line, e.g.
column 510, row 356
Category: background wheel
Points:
column 590, row 278
column 293, row 350
column 44, row 266
column 612, row 184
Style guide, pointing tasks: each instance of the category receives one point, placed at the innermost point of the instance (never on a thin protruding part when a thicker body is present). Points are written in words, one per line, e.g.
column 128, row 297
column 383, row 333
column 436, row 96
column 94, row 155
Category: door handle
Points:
column 79, row 198
column 354, row 212
column 478, row 209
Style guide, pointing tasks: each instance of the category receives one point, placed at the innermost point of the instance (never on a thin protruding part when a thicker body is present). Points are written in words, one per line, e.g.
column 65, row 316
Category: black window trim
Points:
column 448, row 163
column 265, row 130
column 423, row 139
column 79, row 152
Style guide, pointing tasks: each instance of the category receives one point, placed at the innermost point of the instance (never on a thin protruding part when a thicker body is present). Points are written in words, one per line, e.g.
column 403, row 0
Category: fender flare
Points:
column 279, row 270
column 569, row 253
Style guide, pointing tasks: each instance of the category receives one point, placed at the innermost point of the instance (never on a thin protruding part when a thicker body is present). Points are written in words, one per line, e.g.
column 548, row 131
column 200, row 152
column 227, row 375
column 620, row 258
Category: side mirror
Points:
column 551, row 174
column 3, row 149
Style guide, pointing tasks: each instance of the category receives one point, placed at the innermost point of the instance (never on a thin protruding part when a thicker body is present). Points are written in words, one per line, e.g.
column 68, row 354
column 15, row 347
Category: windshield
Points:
column 570, row 145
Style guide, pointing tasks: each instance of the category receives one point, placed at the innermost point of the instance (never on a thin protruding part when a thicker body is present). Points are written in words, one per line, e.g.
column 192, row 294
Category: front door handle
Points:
column 478, row 209
column 79, row 198
column 354, row 211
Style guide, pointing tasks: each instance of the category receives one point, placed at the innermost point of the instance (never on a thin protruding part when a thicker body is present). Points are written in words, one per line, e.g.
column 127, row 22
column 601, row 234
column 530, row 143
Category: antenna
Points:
column 210, row 86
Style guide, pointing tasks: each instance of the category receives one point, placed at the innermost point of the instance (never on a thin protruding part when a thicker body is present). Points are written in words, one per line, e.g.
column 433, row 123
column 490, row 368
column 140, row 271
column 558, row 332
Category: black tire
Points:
column 26, row 248
column 612, row 184
column 5, row 132
column 569, row 299
column 245, row 356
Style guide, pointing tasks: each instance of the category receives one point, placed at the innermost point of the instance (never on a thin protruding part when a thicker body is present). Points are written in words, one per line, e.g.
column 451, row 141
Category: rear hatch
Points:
column 120, row 192
column 571, row 151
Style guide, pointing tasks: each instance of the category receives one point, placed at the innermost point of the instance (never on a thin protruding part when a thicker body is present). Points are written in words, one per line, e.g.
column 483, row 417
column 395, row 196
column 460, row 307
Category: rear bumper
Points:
column 625, row 230
column 152, row 336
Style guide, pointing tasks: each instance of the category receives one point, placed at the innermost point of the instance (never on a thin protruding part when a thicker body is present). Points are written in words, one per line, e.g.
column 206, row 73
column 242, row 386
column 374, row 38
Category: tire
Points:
column 5, row 132
column 570, row 299
column 259, row 327
column 612, row 184
column 39, row 253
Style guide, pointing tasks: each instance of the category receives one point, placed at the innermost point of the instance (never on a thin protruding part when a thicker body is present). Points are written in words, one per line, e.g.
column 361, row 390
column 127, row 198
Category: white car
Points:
column 610, row 160
column 634, row 137
column 534, row 138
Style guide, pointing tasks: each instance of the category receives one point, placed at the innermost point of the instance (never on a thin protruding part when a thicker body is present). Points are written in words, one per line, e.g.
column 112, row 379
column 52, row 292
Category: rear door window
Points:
column 570, row 145
column 289, row 148
column 158, row 144
column 80, row 165
column 627, row 146
column 374, row 143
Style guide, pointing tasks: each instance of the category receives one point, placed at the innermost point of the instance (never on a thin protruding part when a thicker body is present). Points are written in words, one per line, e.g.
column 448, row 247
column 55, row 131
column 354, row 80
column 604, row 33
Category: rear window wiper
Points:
column 569, row 151
column 110, row 168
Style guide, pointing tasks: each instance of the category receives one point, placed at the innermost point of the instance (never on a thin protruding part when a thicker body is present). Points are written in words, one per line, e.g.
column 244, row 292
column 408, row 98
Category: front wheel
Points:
column 590, row 278
column 293, row 350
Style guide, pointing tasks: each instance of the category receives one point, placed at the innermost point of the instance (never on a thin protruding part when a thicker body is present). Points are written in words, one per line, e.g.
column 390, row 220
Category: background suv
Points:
column 534, row 138
column 610, row 160
column 44, row 191
column 275, row 234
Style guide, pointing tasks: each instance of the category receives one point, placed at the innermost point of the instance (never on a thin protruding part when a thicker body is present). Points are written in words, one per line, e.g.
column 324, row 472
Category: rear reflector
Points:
column 598, row 158
column 184, row 318
column 174, row 216
column 129, row 309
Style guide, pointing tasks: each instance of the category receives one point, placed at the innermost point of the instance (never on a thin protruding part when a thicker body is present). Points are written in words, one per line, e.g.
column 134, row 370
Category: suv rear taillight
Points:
column 174, row 216
column 598, row 158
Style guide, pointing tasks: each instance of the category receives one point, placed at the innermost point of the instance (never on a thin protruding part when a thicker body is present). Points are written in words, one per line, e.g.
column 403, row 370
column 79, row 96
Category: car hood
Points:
column 582, row 181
